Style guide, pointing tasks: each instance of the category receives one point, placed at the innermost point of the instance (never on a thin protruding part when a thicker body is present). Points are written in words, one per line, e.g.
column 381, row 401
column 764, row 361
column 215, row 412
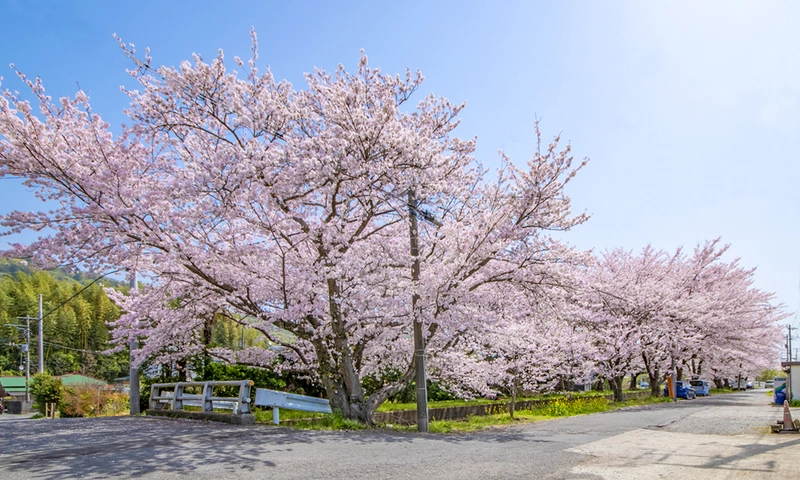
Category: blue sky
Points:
column 689, row 111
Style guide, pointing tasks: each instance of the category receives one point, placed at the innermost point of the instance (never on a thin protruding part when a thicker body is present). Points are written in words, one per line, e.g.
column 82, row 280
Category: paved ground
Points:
column 718, row 437
column 8, row 416
column 727, row 439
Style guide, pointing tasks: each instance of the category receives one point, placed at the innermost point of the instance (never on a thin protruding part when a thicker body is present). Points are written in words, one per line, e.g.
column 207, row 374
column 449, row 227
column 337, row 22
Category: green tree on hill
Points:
column 76, row 319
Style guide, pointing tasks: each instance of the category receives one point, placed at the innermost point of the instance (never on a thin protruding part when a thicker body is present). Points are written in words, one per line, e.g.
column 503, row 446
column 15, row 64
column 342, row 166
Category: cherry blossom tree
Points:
column 287, row 210
column 653, row 310
column 737, row 324
column 622, row 300
column 528, row 347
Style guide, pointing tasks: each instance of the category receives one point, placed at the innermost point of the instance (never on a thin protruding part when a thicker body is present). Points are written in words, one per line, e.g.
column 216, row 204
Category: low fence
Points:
column 169, row 399
column 409, row 417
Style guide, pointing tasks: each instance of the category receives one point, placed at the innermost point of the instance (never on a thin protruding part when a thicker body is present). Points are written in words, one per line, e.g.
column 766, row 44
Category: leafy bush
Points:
column 46, row 389
column 262, row 378
column 770, row 374
column 91, row 401
column 373, row 383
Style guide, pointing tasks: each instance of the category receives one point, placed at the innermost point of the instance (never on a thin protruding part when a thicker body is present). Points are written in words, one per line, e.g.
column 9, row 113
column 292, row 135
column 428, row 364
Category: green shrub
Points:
column 46, row 389
column 85, row 400
column 436, row 392
column 261, row 378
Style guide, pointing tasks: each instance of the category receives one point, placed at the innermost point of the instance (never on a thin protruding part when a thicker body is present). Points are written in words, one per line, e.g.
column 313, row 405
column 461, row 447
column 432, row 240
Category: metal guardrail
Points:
column 291, row 401
column 175, row 398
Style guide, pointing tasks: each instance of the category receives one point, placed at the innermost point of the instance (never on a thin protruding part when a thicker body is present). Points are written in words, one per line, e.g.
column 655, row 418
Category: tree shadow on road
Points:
column 138, row 446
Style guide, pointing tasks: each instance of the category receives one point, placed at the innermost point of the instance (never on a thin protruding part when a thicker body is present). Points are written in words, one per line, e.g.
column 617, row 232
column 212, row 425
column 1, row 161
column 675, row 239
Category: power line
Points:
column 95, row 352
column 81, row 291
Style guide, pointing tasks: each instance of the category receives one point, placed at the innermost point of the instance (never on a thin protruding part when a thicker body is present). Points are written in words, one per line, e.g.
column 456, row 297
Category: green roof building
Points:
column 76, row 379
column 14, row 387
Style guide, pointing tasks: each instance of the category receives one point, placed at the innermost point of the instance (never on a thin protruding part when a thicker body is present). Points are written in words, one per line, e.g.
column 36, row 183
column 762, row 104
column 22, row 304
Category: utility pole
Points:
column 134, row 372
column 786, row 346
column 789, row 351
column 27, row 359
column 41, row 337
column 674, row 380
column 419, row 339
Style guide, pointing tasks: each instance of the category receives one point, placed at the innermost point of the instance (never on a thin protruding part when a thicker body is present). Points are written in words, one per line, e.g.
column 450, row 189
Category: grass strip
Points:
column 562, row 407
column 559, row 407
column 395, row 407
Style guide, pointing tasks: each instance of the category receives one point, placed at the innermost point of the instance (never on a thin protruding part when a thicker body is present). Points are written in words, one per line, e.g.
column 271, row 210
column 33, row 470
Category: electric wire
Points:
column 80, row 291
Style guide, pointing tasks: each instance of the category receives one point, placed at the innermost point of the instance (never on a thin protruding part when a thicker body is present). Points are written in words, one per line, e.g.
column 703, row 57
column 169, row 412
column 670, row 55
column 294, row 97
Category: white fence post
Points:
column 208, row 404
column 177, row 402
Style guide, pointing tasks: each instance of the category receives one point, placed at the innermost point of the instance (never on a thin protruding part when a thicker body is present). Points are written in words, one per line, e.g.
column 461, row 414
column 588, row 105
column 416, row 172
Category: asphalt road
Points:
column 722, row 436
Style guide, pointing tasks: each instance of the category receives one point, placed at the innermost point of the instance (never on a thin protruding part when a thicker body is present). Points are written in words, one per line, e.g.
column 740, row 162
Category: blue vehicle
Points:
column 701, row 387
column 683, row 390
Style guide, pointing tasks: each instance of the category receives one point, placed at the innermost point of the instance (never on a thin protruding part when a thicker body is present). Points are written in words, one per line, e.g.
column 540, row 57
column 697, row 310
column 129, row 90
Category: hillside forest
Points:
column 76, row 313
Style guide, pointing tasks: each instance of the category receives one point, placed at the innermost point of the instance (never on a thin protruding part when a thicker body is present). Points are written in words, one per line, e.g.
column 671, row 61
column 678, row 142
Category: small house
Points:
column 14, row 387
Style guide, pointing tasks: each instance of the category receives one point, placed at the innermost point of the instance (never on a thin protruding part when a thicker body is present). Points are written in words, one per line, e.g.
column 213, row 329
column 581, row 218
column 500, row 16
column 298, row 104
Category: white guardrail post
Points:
column 208, row 405
column 291, row 401
column 177, row 403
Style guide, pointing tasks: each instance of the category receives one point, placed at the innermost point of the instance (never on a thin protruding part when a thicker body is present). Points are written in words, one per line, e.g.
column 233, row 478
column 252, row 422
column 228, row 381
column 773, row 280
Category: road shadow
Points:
column 138, row 446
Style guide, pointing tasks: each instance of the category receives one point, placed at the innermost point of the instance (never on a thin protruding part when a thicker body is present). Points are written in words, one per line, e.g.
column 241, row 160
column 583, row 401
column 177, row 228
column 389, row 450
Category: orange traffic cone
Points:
column 788, row 424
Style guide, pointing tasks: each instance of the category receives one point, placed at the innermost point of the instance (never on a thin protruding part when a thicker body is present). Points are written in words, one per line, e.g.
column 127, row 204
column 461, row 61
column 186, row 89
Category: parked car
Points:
column 683, row 390
column 748, row 385
column 701, row 387
column 769, row 384
column 737, row 384
column 643, row 384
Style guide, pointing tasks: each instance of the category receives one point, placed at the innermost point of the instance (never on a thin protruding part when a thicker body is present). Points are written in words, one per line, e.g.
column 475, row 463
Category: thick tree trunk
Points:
column 346, row 396
column 653, row 376
column 340, row 378
column 655, row 387
column 654, row 379
column 599, row 384
column 616, row 387
column 352, row 407
column 634, row 383
column 514, row 388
